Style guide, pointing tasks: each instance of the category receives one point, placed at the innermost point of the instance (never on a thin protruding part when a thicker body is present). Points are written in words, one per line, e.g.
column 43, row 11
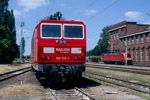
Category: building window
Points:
column 112, row 46
column 114, row 36
column 147, row 53
column 117, row 35
column 137, row 39
column 121, row 42
column 132, row 54
column 142, row 39
column 132, row 39
column 142, row 54
column 147, row 37
column 137, row 54
column 128, row 40
column 125, row 41
column 111, row 36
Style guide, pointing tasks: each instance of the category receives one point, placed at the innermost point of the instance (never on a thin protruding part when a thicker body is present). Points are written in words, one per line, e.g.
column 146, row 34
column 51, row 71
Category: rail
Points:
column 71, row 94
column 91, row 98
column 123, row 69
column 14, row 73
column 120, row 82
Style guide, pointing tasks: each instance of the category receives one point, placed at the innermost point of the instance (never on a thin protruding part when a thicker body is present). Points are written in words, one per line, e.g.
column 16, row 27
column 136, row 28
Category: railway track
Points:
column 70, row 94
column 117, row 68
column 14, row 73
column 134, row 85
column 66, row 91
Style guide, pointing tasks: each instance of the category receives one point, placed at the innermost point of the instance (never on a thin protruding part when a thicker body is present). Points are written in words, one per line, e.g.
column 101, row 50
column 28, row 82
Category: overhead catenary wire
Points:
column 51, row 7
column 48, row 7
column 29, row 28
column 87, row 7
column 103, row 10
column 91, row 4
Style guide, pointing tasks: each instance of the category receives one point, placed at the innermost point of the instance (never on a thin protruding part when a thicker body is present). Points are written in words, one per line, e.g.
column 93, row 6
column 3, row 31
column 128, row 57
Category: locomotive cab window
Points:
column 50, row 31
column 73, row 31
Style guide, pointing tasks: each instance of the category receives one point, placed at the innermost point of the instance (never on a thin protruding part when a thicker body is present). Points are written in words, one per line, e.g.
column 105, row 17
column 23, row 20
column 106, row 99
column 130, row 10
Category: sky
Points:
column 96, row 14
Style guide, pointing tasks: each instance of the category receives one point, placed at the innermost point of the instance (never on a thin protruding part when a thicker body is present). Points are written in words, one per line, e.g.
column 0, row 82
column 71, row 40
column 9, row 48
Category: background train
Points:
column 59, row 48
column 117, row 58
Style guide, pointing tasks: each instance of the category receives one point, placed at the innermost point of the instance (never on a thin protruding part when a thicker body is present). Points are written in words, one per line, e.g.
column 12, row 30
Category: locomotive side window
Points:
column 51, row 31
column 73, row 31
column 128, row 55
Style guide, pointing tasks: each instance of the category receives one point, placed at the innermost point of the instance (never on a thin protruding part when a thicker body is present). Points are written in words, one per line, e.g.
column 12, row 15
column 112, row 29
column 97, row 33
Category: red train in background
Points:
column 59, row 48
column 117, row 58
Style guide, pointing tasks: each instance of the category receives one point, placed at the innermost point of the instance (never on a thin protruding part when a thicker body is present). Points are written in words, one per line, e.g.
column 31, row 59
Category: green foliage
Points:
column 102, row 45
column 10, row 22
column 8, row 47
column 23, row 45
column 3, row 9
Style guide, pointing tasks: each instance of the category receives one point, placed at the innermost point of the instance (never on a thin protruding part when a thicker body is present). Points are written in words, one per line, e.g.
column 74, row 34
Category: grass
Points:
column 23, row 90
column 123, row 89
column 146, row 96
column 143, row 95
column 117, row 76
column 7, row 68
column 30, row 87
column 122, row 73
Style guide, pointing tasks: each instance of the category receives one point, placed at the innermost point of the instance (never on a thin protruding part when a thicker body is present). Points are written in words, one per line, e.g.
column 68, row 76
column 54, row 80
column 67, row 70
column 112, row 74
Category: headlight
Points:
column 80, row 58
column 75, row 58
column 60, row 41
column 64, row 41
column 48, row 58
column 43, row 58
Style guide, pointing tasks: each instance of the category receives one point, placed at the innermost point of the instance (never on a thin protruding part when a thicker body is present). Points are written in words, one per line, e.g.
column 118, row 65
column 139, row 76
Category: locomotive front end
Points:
column 61, row 47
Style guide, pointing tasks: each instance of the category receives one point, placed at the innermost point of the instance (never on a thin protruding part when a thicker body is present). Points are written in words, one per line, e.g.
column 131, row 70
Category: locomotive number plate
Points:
column 62, row 58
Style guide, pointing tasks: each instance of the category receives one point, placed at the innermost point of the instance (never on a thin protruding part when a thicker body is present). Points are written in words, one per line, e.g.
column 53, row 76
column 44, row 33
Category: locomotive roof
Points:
column 61, row 21
column 116, row 53
column 113, row 53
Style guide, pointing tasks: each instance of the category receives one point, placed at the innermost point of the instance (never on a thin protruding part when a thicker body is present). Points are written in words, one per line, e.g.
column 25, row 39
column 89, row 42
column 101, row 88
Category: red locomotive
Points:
column 59, row 48
column 117, row 58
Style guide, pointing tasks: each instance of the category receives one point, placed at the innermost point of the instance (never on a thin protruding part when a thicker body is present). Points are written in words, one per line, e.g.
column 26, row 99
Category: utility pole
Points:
column 126, row 54
column 21, row 25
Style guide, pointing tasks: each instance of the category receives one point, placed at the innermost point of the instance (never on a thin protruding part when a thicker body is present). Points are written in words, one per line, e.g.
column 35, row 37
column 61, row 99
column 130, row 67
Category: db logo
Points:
column 62, row 49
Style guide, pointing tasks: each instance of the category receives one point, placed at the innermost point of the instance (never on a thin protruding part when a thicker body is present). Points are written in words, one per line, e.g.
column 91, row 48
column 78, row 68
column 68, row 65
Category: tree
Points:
column 103, row 42
column 3, row 9
column 8, row 47
column 10, row 22
column 23, row 45
column 102, row 45
column 56, row 16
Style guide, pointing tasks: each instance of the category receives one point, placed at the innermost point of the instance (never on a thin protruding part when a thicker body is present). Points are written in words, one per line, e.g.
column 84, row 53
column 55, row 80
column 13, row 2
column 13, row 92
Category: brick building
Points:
column 135, row 36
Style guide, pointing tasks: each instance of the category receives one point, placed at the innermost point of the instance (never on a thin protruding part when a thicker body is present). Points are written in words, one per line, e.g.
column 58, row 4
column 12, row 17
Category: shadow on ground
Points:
column 69, row 84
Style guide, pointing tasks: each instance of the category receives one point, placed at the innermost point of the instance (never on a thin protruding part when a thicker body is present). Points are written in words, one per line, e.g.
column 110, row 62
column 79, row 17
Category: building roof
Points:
column 120, row 24
column 124, row 24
